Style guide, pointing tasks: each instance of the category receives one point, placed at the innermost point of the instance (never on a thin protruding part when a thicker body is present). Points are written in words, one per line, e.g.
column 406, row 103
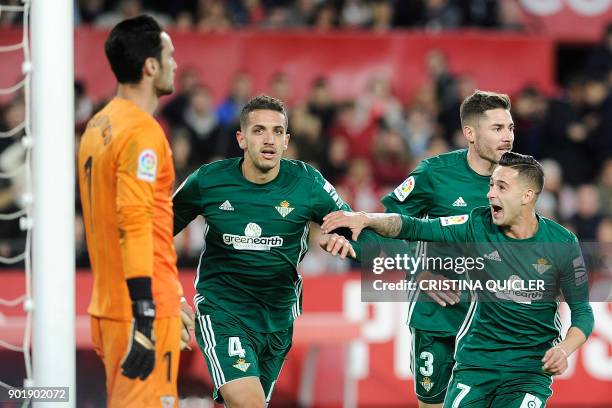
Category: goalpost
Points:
column 52, row 69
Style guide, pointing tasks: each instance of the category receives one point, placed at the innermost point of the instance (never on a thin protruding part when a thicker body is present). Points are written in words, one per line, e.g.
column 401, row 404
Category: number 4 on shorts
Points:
column 234, row 348
column 464, row 391
column 531, row 401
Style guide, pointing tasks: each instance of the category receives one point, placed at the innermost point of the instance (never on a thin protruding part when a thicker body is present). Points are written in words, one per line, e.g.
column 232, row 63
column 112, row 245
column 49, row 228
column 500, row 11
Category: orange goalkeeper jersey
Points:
column 126, row 177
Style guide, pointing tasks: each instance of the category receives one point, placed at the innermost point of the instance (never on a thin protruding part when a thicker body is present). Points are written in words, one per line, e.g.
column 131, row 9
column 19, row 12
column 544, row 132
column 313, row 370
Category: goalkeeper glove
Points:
column 139, row 360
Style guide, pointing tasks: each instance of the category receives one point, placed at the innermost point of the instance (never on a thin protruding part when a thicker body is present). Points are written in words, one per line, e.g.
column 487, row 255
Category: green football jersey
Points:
column 513, row 327
column 255, row 236
column 440, row 186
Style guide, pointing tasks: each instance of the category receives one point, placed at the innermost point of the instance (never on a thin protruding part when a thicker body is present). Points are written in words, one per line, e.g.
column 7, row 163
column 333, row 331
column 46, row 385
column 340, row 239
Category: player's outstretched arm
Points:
column 387, row 225
column 555, row 359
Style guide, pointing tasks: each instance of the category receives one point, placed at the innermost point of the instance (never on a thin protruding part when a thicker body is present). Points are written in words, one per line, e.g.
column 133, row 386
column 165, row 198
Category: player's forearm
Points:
column 573, row 340
column 136, row 241
column 387, row 225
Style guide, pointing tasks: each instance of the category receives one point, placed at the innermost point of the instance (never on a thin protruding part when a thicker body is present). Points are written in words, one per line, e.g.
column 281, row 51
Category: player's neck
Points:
column 255, row 175
column 140, row 95
column 478, row 164
column 525, row 227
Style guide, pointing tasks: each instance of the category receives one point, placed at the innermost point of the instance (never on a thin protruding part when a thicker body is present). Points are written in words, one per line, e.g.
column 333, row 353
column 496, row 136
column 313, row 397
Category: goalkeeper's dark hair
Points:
column 129, row 44
column 262, row 102
column 479, row 102
column 528, row 168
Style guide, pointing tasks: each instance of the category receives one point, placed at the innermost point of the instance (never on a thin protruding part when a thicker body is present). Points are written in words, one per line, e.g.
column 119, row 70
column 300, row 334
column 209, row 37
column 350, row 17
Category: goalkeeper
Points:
column 125, row 177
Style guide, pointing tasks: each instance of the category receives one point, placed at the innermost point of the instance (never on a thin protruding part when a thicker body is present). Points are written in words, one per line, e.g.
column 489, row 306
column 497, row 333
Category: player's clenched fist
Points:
column 139, row 360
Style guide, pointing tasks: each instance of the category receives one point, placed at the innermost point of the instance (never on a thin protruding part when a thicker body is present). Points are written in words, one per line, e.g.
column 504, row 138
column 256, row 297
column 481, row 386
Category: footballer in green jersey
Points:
column 508, row 348
column 257, row 211
column 449, row 184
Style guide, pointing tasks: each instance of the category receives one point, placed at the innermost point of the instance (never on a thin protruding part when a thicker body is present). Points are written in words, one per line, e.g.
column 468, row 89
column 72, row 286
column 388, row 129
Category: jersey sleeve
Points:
column 186, row 201
column 445, row 229
column 575, row 289
column 137, row 164
column 413, row 196
column 324, row 198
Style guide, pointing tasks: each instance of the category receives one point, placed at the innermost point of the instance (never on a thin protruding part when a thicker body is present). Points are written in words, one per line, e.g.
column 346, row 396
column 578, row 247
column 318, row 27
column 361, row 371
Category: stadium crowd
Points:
column 368, row 145
column 320, row 15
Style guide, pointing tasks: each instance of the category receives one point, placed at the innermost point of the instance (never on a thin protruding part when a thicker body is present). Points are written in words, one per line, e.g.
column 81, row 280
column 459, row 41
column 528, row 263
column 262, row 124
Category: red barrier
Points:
column 380, row 359
column 569, row 20
column 504, row 62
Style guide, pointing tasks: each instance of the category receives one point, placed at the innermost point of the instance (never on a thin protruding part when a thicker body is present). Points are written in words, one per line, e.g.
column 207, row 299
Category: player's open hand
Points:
column 441, row 297
column 188, row 321
column 356, row 221
column 337, row 244
column 139, row 360
column 555, row 361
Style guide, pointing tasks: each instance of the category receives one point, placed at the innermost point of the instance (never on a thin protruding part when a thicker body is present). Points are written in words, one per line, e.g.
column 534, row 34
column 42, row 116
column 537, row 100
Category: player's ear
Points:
column 287, row 137
column 468, row 133
column 241, row 140
column 150, row 67
column 528, row 196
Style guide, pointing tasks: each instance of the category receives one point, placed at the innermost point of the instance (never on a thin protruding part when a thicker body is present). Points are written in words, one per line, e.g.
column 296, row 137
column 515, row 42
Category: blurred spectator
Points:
column 357, row 128
column 174, row 110
column 305, row 130
column 128, row 9
column 90, row 9
column 213, row 16
column 440, row 15
column 600, row 61
column 83, row 106
column 358, row 187
column 246, row 12
column 355, row 14
column 280, row 87
column 390, row 157
column 240, row 92
column 528, row 113
column 322, row 104
column 588, row 215
column 10, row 18
column 604, row 187
column 420, row 128
column 510, row 16
column 301, row 13
column 379, row 102
column 200, row 125
column 449, row 118
column 444, row 81
column 382, row 16
column 566, row 138
column 325, row 17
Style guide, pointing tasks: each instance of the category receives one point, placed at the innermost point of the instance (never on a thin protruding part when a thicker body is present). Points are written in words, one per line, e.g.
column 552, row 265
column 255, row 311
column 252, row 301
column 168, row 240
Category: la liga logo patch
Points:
column 147, row 165
column 403, row 190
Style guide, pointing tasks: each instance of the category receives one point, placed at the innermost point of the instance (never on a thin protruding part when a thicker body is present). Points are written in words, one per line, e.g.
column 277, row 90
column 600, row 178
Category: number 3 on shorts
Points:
column 464, row 391
column 427, row 371
column 234, row 348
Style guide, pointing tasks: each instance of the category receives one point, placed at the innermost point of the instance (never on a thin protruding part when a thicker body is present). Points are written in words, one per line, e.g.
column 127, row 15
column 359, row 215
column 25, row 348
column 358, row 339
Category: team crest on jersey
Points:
column 541, row 266
column 427, row 384
column 284, row 208
column 147, row 165
column 252, row 239
column 167, row 401
column 403, row 190
column 242, row 365
column 454, row 220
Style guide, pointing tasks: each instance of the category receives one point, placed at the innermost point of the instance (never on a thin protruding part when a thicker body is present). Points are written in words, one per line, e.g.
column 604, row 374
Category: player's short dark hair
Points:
column 527, row 167
column 129, row 44
column 262, row 102
column 479, row 102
